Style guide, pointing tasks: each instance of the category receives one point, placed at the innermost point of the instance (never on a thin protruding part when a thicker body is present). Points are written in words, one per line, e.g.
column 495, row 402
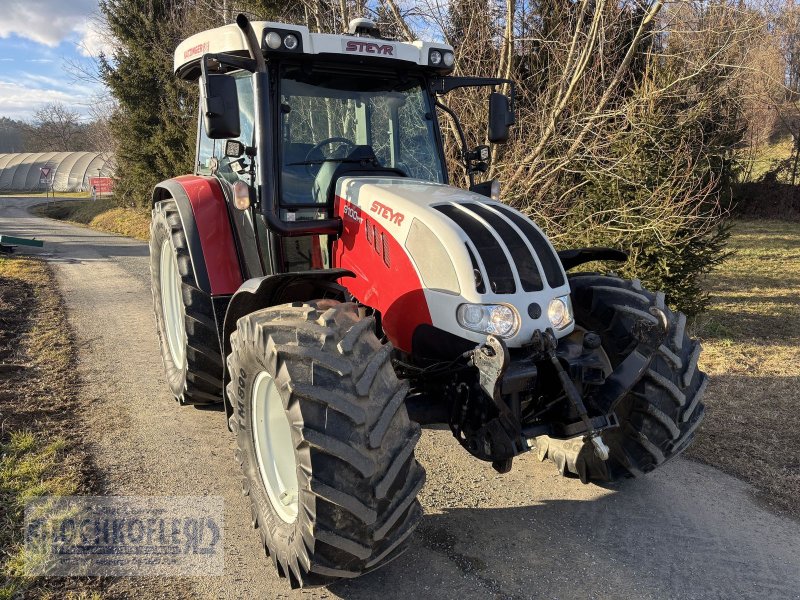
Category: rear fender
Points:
column 579, row 256
column 264, row 292
column 209, row 236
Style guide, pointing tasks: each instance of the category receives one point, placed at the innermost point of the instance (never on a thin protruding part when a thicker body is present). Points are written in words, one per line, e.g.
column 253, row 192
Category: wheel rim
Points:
column 272, row 436
column 172, row 305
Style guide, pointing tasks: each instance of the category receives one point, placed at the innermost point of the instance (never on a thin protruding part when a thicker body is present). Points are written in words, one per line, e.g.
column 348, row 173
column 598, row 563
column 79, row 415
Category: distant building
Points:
column 66, row 171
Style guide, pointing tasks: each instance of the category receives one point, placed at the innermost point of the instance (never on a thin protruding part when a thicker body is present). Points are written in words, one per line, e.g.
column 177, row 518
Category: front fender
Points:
column 207, row 226
column 263, row 292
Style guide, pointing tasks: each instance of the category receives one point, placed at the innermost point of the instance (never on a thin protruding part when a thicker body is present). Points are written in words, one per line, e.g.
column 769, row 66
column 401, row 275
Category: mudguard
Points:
column 579, row 256
column 209, row 237
column 263, row 292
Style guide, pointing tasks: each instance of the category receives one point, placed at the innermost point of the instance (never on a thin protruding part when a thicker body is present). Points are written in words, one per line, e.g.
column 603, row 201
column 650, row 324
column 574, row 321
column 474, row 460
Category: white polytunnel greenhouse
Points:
column 66, row 171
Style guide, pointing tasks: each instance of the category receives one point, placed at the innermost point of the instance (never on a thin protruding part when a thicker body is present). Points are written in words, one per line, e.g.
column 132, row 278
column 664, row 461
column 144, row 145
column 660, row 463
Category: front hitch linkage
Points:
column 547, row 343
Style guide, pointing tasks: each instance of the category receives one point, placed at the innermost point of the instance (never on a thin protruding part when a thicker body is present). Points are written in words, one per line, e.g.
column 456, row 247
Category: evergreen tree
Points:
column 153, row 121
column 155, row 124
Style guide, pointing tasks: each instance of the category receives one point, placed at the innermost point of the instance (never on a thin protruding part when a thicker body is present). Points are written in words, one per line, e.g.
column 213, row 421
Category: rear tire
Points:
column 192, row 359
column 353, row 445
column 659, row 416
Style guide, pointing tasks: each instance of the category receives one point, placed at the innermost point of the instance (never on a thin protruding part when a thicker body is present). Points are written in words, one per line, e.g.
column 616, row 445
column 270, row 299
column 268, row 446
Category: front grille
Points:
column 549, row 261
column 368, row 229
column 498, row 270
column 529, row 276
column 385, row 240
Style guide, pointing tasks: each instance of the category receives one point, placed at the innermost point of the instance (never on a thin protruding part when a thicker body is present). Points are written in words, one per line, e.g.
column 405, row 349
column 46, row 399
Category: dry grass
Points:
column 772, row 158
column 751, row 341
column 102, row 214
column 46, row 194
column 41, row 449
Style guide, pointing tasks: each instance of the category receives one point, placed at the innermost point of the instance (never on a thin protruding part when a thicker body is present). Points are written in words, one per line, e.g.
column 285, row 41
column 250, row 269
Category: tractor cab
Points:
column 292, row 119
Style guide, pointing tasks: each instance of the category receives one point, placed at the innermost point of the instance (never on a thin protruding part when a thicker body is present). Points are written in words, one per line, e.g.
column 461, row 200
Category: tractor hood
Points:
column 462, row 247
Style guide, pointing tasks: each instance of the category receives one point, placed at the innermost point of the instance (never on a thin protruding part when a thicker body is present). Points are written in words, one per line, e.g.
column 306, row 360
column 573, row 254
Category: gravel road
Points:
column 686, row 531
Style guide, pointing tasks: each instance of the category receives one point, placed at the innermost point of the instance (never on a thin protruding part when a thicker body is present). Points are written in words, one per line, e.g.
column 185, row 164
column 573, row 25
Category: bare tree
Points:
column 628, row 116
column 56, row 128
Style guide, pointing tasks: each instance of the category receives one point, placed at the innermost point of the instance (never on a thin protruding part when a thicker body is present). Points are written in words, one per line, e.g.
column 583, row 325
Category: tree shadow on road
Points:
column 684, row 532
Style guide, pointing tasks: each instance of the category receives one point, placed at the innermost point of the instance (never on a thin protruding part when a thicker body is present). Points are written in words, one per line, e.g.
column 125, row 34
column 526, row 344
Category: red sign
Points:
column 45, row 172
column 101, row 185
column 195, row 50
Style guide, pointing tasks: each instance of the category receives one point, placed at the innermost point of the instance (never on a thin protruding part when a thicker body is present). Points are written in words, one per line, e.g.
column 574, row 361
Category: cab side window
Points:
column 205, row 148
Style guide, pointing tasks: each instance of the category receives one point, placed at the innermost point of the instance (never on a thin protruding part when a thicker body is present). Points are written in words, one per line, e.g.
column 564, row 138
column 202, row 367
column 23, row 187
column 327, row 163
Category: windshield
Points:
column 325, row 115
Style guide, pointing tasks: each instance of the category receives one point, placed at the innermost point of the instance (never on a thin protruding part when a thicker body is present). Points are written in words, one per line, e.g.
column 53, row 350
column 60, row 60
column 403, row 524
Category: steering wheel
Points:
column 317, row 148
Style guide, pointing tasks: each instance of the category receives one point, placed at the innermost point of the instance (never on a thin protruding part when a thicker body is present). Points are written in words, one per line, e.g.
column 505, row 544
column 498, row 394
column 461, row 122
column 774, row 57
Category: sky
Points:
column 40, row 40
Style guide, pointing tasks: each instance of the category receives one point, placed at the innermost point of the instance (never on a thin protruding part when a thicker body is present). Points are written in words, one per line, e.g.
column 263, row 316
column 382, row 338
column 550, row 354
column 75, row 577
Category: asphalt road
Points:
column 686, row 531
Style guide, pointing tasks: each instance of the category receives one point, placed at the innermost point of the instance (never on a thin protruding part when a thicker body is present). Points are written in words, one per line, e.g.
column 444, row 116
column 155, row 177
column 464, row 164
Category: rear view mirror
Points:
column 500, row 118
column 220, row 106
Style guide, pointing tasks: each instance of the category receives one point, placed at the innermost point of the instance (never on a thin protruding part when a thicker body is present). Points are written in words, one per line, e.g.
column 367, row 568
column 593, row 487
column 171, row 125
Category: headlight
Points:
column 497, row 319
column 449, row 59
column 436, row 57
column 559, row 312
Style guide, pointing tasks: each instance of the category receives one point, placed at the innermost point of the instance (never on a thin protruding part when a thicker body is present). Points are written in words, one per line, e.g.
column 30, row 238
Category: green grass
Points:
column 32, row 465
column 751, row 342
column 102, row 214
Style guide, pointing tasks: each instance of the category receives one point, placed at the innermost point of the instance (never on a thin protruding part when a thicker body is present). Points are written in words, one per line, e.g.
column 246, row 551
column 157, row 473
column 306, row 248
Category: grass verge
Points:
column 751, row 341
column 41, row 450
column 45, row 195
column 101, row 214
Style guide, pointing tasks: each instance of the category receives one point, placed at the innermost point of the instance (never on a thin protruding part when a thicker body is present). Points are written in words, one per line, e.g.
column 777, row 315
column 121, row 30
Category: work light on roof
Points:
column 274, row 40
column 436, row 57
column 290, row 41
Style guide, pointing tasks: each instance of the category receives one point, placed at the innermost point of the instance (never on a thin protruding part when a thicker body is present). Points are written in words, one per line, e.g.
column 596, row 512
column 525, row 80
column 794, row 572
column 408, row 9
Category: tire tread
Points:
column 659, row 416
column 347, row 410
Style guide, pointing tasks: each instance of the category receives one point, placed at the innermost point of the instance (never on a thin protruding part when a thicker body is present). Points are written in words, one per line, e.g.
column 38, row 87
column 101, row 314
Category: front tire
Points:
column 659, row 416
column 323, row 440
column 184, row 314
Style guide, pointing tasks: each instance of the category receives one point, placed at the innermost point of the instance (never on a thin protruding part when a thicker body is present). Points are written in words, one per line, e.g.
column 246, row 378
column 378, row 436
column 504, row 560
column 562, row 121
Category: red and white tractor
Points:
column 320, row 278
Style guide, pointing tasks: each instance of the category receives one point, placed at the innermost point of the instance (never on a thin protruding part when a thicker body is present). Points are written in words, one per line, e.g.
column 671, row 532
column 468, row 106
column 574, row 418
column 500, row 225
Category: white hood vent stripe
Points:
column 524, row 261
column 479, row 273
column 499, row 272
column 549, row 261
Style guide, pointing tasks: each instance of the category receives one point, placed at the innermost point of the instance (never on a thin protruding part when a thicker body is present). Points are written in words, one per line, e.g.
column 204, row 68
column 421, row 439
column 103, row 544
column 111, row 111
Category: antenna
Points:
column 363, row 27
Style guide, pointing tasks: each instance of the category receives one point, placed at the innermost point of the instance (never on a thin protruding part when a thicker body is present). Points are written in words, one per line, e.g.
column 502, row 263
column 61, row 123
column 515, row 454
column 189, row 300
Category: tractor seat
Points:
column 360, row 161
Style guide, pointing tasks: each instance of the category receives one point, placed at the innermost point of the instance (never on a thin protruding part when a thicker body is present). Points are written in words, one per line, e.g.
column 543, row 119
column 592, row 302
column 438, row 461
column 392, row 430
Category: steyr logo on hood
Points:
column 387, row 213
column 369, row 48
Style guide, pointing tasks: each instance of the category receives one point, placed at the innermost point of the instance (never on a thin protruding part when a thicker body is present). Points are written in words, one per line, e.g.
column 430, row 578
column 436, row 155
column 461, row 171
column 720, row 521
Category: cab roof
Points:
column 351, row 48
